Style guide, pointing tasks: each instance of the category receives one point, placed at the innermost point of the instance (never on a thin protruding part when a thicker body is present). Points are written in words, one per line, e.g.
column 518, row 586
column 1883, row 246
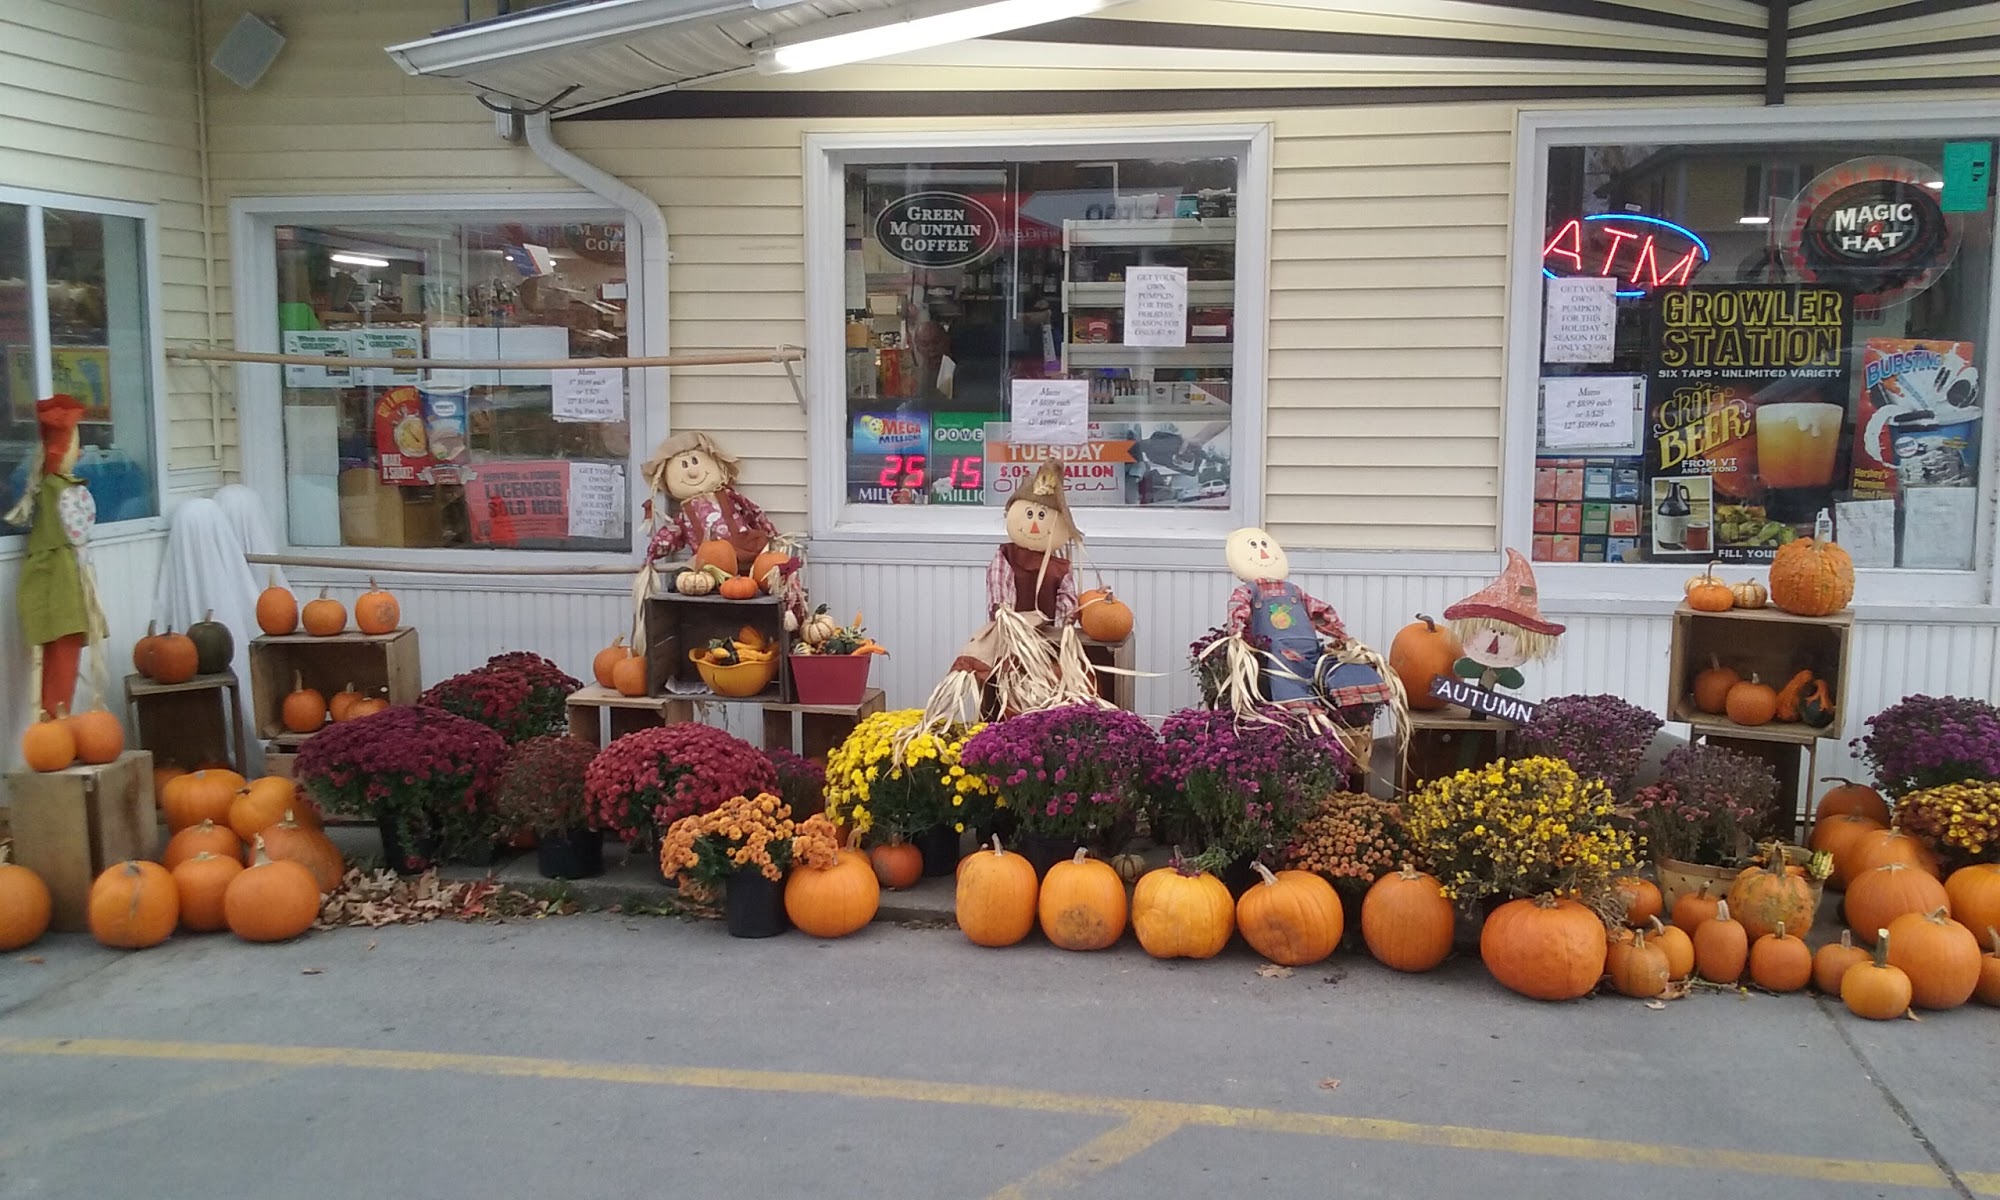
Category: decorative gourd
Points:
column 1790, row 694
column 1840, row 835
column 1711, row 688
column 1751, row 703
column 1875, row 898
column 48, row 745
column 1876, row 989
column 200, row 883
column 1812, row 579
column 1940, row 956
column 1129, row 866
column 1544, row 948
column 1880, row 847
column 1706, row 593
column 205, row 838
column 1181, row 911
column 1422, row 651
column 1406, row 921
column 262, row 803
column 292, row 840
column 214, row 645
column 1674, row 942
column 897, row 865
column 832, row 902
column 607, row 658
column 1851, row 797
column 1081, row 904
column 694, row 583
column 174, row 658
column 818, row 627
column 1780, row 962
column 305, row 709
column 199, row 796
column 324, row 616
column 1749, row 594
column 1292, row 918
column 1974, row 895
column 376, row 611
column 737, row 587
column 1766, row 898
column 762, row 569
column 629, row 675
column 1692, row 908
column 277, row 608
column 341, row 706
column 25, row 905
column 99, row 736
column 1816, row 705
column 142, row 650
column 133, row 905
column 718, row 553
column 1721, row 947
column 996, row 898
column 1833, row 960
column 273, row 901
column 1104, row 617
column 1641, row 898
column 1638, row 968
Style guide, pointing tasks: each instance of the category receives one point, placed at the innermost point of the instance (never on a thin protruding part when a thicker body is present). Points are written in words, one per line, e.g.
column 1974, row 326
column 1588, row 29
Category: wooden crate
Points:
column 1121, row 689
column 371, row 662
column 592, row 708
column 188, row 724
column 820, row 727
column 1445, row 743
column 69, row 825
column 676, row 624
column 1769, row 644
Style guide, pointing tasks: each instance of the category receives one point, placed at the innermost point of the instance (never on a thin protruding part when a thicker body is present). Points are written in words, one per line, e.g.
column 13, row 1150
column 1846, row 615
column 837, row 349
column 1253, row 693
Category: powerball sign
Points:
column 1093, row 473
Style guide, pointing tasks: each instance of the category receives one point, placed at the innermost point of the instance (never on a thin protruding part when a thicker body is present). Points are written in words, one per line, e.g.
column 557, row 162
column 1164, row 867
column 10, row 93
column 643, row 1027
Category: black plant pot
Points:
column 1001, row 824
column 1240, row 875
column 753, row 906
column 1043, row 852
column 413, row 859
column 480, row 854
column 571, row 854
column 939, row 847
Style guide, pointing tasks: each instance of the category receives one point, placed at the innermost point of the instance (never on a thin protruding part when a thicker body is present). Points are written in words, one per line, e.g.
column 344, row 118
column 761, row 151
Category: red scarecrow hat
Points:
column 58, row 416
column 1510, row 598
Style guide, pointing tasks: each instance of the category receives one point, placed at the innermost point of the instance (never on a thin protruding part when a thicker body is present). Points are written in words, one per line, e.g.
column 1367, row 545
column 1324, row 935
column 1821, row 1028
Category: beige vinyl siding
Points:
column 99, row 98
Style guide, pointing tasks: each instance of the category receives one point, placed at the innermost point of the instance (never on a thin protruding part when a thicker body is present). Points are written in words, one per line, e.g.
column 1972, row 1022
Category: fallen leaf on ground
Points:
column 1327, row 1085
column 1656, row 1004
column 1274, row 971
column 37, row 959
column 313, row 971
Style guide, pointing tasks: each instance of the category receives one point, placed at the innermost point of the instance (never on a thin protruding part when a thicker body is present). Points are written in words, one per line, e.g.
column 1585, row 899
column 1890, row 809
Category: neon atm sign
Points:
column 1640, row 252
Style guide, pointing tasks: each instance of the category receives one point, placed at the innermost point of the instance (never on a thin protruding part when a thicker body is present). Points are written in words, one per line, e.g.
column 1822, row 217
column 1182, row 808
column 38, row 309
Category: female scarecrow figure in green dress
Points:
column 57, row 594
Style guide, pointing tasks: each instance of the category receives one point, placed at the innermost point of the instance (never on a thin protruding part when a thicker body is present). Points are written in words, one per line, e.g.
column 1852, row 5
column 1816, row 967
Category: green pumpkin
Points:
column 214, row 645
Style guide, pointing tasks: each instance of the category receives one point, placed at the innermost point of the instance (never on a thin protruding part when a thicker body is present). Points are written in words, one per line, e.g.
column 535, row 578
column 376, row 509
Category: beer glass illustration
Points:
column 1798, row 446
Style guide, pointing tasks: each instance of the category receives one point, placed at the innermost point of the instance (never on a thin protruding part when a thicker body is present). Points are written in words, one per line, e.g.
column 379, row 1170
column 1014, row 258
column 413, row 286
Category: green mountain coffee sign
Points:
column 937, row 229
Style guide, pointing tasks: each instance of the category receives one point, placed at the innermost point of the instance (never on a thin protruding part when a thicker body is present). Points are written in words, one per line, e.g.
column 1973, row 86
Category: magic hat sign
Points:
column 937, row 229
column 1872, row 226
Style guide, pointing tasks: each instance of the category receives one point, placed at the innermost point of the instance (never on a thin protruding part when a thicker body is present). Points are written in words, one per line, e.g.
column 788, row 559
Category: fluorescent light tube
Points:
column 359, row 260
column 916, row 27
column 1753, row 220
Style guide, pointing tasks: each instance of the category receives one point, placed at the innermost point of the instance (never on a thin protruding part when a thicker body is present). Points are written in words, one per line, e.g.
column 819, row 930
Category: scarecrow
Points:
column 699, row 482
column 1502, row 628
column 57, row 593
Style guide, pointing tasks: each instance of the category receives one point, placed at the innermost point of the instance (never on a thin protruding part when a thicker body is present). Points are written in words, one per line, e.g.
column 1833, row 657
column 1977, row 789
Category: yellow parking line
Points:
column 1100, row 1153
column 1141, row 1118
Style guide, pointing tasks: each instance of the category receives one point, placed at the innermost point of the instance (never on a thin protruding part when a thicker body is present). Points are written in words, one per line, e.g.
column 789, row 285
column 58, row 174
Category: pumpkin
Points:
column 1706, row 593
column 1789, row 695
column 818, row 627
column 629, row 675
column 25, row 905
column 1851, row 797
column 324, row 616
column 1832, row 961
column 274, row 900
column 1422, row 651
column 174, row 658
column 1104, row 617
column 1780, row 962
column 1876, row 989
column 214, row 645
column 1940, row 956
column 367, row 706
column 737, row 587
column 996, row 898
column 199, row 796
column 1081, row 904
column 1721, row 947
column 694, row 583
column 718, row 553
column 832, row 902
column 1812, row 579
column 1641, row 898
column 1181, row 911
column 142, row 650
column 607, row 658
column 1766, row 898
column 1674, row 942
column 766, row 563
column 1838, row 835
column 99, row 736
column 1292, row 918
column 1974, row 895
column 1875, row 898
column 205, row 838
column 1638, row 968
column 1129, row 866
column 897, row 865
column 200, row 883
column 1880, row 847
column 1692, row 908
column 262, row 803
column 48, row 745
column 1751, row 703
column 277, row 609
column 376, row 612
column 1749, row 594
column 165, row 774
column 304, row 710
column 341, row 706
column 1711, row 688
column 1544, row 948
column 1988, row 991
column 1406, row 921
column 133, row 905
column 291, row 840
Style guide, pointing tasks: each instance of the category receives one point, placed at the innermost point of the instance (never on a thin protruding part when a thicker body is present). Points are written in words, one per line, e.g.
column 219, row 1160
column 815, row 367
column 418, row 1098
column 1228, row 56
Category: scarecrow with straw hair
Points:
column 1502, row 628
column 698, row 481
column 57, row 593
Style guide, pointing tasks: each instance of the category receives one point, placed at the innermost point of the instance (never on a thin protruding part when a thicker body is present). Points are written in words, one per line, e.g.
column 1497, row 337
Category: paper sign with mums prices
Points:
column 514, row 502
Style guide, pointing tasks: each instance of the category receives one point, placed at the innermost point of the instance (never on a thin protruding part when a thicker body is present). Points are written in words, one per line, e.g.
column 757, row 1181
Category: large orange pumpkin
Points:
column 291, row 841
column 1838, row 835
column 199, row 796
column 716, row 552
column 1182, row 912
column 1812, row 579
column 25, row 905
column 1974, row 893
column 1875, row 898
column 324, row 616
column 48, row 745
column 996, row 897
column 272, row 901
column 1292, row 918
column 1851, row 797
column 897, row 864
column 1545, row 948
column 832, row 902
column 1881, row 847
column 175, row 658
column 1406, row 921
column 201, row 882
column 277, row 608
column 606, row 659
column 134, row 905
column 1422, row 651
column 1765, row 898
column 1104, row 617
column 205, row 838
column 100, row 737
column 1940, row 956
column 376, row 612
column 1081, row 904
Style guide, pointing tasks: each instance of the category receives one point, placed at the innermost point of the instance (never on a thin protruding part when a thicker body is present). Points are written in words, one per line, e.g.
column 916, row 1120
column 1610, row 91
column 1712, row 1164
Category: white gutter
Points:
column 537, row 32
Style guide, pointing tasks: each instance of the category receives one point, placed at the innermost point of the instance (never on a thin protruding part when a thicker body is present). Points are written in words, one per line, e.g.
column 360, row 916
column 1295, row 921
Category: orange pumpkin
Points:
column 1180, row 911
column 1833, row 961
column 277, row 608
column 1974, row 893
column 305, row 709
column 1940, row 956
column 1751, row 703
column 1420, row 652
column 1766, row 899
column 1988, row 991
column 272, row 901
column 142, row 650
column 1875, row 898
column 1721, row 947
column 1292, row 918
column 897, row 865
column 606, row 659
column 292, row 841
column 1711, row 688
column 324, row 616
column 341, row 706
column 996, row 897
column 1637, row 968
column 201, row 882
column 767, row 562
column 175, row 658
column 719, row 553
column 367, row 706
column 1406, row 921
column 832, row 902
column 163, row 775
column 199, row 796
column 1838, row 835
column 1780, row 962
column 205, row 838
column 1880, row 847
column 376, row 612
column 48, row 745
column 1877, row 989
column 1811, row 578
column 1706, row 593
column 737, row 587
column 1692, row 908
column 1674, row 942
column 1641, row 898
column 133, row 905
column 100, row 737
column 1545, row 948
column 260, row 804
column 1081, row 904
column 1104, row 617
column 1851, row 797
column 25, row 905
column 629, row 676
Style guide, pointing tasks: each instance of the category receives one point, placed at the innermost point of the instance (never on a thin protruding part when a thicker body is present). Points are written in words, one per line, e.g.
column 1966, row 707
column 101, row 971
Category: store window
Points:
column 481, row 458
column 91, row 338
column 1004, row 311
column 1744, row 343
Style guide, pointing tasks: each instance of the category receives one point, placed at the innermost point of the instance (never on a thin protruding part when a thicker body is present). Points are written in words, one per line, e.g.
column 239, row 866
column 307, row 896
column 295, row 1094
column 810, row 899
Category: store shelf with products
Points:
column 1093, row 354
column 1185, row 231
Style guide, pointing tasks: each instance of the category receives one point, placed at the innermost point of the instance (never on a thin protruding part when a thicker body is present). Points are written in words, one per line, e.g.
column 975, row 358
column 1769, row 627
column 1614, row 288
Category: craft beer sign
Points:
column 937, row 229
column 1480, row 701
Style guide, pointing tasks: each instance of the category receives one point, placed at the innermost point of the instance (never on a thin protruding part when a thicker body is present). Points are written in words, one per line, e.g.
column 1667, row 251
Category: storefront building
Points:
column 1609, row 287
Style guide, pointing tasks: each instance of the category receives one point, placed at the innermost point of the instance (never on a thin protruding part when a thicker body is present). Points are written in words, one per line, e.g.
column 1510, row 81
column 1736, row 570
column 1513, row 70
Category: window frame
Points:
column 35, row 200
column 834, row 519
column 260, row 387
column 1914, row 589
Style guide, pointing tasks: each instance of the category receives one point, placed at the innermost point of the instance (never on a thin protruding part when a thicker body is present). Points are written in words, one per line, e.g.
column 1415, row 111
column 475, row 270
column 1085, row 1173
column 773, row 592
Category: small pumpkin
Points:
column 1181, row 911
column 25, row 905
column 1974, row 895
column 48, row 745
column 607, row 658
column 1988, row 991
column 1081, row 904
column 694, row 583
column 260, row 804
column 1711, row 688
column 324, row 616
column 997, row 896
column 1876, row 989
column 205, row 838
column 100, row 737
column 1881, row 847
column 1751, row 703
column 818, row 627
column 214, row 645
column 133, row 905
column 897, row 865
column 1706, row 593
column 199, row 796
column 1767, row 898
column 1839, row 835
column 200, row 883
column 277, row 608
column 737, row 587
column 1833, row 960
column 174, row 658
column 1721, row 947
column 1876, row 897
column 1780, row 962
column 1851, row 797
column 1812, row 578
column 340, row 706
column 629, row 675
column 376, row 611
column 292, row 840
column 1420, row 652
column 832, row 902
column 1940, row 956
column 304, row 709
column 1545, row 948
column 1104, row 617
column 768, row 569
column 1749, row 594
column 1674, row 942
column 719, row 553
column 1638, row 968
column 1692, row 908
column 1129, row 866
column 142, row 650
column 1292, row 918
column 1406, row 921
column 1641, row 898
column 274, row 900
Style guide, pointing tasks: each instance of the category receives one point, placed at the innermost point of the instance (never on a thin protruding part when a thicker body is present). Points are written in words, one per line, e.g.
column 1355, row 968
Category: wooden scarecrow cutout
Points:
column 1502, row 628
column 57, row 592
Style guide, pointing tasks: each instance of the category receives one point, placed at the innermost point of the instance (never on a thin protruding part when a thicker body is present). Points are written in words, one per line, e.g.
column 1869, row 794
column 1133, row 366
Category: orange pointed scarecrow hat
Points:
column 1512, row 599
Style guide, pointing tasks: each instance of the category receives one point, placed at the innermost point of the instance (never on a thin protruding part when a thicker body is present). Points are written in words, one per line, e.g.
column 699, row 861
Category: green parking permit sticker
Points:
column 1968, row 176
